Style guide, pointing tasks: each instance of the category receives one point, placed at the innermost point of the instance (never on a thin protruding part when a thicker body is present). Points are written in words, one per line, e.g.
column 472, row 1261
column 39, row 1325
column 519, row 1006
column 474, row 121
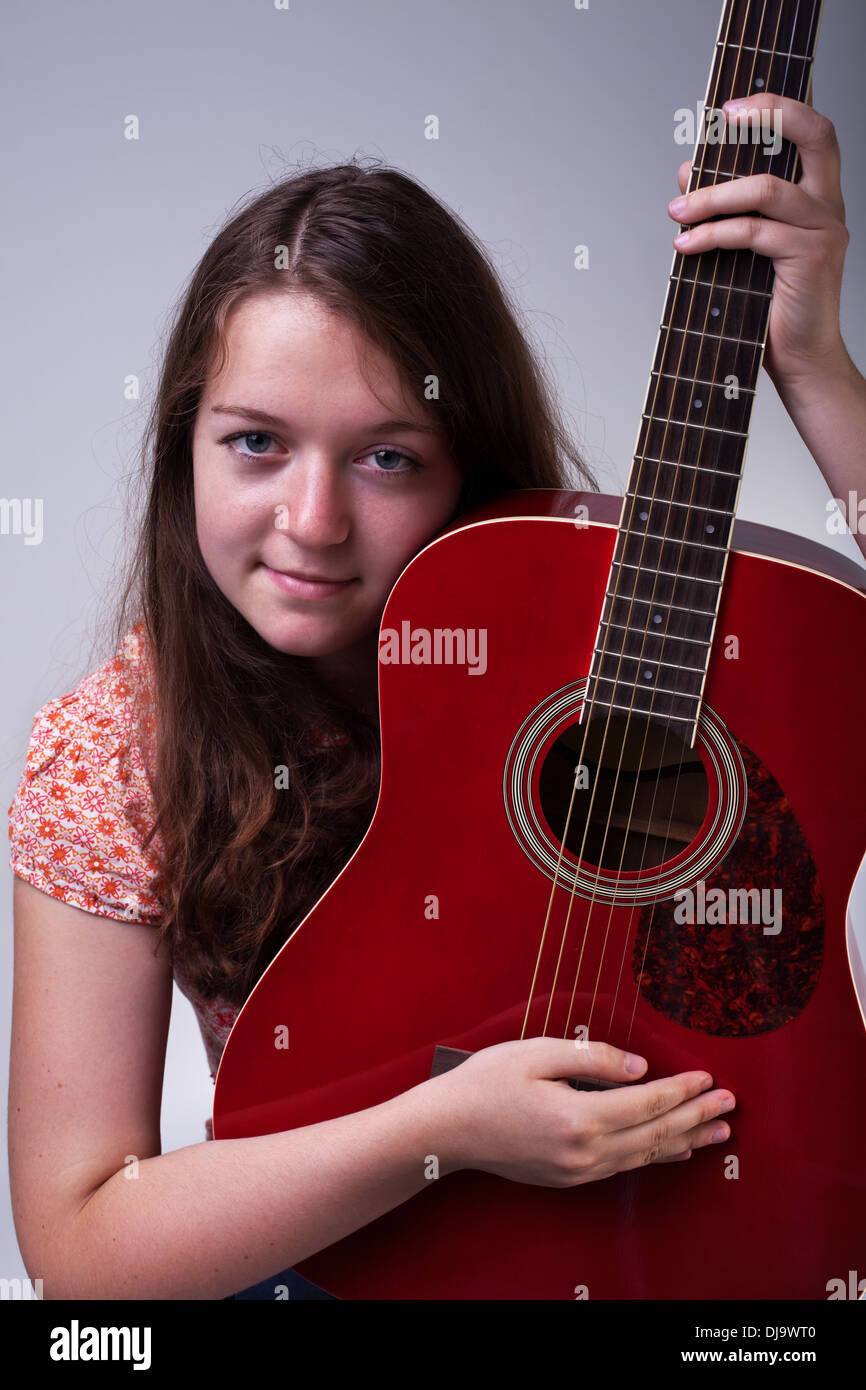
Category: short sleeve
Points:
column 82, row 809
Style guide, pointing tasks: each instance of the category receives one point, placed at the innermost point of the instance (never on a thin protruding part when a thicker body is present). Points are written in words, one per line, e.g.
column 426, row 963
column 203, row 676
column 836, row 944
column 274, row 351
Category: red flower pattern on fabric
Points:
column 83, row 807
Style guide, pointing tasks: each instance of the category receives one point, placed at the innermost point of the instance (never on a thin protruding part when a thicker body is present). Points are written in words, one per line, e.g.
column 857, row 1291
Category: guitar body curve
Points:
column 430, row 936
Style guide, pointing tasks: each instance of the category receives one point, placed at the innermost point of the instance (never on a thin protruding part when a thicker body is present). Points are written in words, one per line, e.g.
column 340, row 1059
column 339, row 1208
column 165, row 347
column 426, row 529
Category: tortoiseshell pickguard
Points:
column 732, row 980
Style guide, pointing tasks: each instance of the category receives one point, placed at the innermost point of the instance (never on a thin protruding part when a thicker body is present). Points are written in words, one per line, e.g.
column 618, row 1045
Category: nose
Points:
column 317, row 499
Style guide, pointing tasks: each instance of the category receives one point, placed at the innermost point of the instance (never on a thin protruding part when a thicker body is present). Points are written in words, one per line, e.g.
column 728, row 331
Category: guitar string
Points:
column 589, row 705
column 615, row 680
column 788, row 173
column 682, row 552
column 757, row 350
column 641, row 660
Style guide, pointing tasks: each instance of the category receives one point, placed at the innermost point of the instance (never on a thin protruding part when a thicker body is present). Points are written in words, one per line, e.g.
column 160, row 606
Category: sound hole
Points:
column 651, row 791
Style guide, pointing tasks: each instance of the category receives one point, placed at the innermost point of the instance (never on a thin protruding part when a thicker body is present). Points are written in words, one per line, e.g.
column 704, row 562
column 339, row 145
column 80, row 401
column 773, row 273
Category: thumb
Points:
column 583, row 1063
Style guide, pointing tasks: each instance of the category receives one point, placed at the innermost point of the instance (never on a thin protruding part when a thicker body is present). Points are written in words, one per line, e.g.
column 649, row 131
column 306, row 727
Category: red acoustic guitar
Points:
column 623, row 796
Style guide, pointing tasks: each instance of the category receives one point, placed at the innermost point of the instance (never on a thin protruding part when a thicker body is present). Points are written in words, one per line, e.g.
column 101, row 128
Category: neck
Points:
column 353, row 674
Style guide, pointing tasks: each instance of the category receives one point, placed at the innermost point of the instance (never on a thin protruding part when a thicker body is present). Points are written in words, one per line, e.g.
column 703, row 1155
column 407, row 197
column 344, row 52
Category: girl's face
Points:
column 299, row 468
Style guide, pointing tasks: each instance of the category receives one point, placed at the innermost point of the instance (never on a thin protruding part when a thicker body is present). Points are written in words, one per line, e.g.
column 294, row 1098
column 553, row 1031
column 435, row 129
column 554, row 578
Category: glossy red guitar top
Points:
column 432, row 934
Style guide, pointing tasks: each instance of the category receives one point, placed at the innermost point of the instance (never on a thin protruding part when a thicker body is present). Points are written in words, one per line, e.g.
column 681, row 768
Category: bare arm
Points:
column 801, row 227
column 90, row 1020
column 830, row 414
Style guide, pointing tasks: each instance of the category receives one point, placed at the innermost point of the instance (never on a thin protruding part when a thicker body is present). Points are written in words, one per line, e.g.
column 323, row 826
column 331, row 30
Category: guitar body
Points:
column 433, row 934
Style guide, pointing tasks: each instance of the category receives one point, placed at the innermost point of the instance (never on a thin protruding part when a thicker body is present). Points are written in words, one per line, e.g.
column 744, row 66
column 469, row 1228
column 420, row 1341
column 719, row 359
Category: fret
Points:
column 698, row 401
column 701, row 169
column 741, row 289
column 697, row 651
column 790, row 26
column 694, row 617
column 676, row 540
column 676, row 463
column 664, row 689
column 650, row 661
column 748, row 48
column 698, row 381
column 646, row 699
column 677, row 535
column 659, row 636
column 690, row 446
column 665, row 420
column 649, row 648
column 690, row 394
column 650, row 689
column 741, row 161
column 740, row 269
column 628, row 709
column 702, row 333
column 696, row 354
column 666, row 520
column 670, row 555
column 674, row 534
column 670, row 503
column 716, row 310
column 699, row 488
column 647, row 689
column 730, row 77
column 693, row 578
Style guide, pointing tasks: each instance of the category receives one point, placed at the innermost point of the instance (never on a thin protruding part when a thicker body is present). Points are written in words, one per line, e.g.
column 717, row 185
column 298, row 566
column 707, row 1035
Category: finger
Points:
column 683, row 175
column 669, row 1152
column 815, row 138
column 764, row 193
column 628, row 1106
column 701, row 1138
column 690, row 1125
column 558, row 1059
column 759, row 234
column 643, row 1158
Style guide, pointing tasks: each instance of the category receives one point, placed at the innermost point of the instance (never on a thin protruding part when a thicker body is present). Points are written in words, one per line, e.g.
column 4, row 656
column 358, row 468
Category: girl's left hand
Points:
column 801, row 228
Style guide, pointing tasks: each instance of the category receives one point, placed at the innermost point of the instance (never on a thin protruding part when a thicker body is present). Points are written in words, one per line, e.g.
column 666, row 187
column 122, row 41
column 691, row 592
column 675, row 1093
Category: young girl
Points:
column 299, row 461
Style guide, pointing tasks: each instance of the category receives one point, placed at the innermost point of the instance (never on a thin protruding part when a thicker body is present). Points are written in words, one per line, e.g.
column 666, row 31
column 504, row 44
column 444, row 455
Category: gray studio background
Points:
column 556, row 128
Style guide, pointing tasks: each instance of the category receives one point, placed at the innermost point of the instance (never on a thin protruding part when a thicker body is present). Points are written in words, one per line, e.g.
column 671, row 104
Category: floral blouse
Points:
column 84, row 806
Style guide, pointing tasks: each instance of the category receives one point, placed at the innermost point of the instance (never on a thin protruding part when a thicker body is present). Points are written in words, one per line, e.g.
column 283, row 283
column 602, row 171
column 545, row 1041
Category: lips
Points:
column 311, row 578
column 306, row 587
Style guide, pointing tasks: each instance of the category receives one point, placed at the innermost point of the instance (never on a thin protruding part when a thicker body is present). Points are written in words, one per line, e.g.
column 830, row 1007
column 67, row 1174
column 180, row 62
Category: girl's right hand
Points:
column 510, row 1111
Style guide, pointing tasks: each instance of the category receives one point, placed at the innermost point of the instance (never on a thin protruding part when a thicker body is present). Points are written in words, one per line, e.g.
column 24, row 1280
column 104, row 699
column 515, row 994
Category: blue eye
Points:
column 247, row 434
column 414, row 466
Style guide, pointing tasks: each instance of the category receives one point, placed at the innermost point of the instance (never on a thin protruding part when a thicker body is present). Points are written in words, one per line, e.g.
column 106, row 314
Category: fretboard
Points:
column 658, row 621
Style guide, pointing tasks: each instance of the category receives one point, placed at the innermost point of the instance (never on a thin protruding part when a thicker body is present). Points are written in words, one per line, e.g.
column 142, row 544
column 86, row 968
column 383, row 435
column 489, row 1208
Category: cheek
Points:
column 224, row 525
column 400, row 527
column 395, row 546
column 209, row 519
column 420, row 523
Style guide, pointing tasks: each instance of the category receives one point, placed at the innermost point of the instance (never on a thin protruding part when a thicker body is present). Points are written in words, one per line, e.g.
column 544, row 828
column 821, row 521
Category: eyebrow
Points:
column 252, row 412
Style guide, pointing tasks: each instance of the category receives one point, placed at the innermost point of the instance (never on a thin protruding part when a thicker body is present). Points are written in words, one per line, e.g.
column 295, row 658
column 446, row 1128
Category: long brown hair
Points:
column 244, row 860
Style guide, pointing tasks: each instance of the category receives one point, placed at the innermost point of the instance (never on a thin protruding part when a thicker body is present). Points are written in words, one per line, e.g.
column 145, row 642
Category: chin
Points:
column 303, row 644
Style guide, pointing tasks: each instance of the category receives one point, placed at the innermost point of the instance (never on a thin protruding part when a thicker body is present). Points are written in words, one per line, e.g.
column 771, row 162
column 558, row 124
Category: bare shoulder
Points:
column 91, row 1007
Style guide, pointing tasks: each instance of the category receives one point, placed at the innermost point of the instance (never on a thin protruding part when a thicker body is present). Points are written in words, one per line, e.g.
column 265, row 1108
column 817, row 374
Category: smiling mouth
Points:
column 303, row 586
column 310, row 578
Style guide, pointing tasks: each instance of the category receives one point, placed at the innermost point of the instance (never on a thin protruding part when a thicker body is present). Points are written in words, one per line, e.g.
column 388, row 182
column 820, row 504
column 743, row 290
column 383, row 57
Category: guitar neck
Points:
column 658, row 621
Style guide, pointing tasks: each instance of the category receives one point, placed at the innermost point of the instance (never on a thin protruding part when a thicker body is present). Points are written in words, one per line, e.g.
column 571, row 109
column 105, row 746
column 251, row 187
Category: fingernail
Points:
column 721, row 1133
column 633, row 1063
column 682, row 238
column 729, row 1104
column 677, row 206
